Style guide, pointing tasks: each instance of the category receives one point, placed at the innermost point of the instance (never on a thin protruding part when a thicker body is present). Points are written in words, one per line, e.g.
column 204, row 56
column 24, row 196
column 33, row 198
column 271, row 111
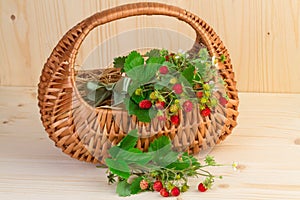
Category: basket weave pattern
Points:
column 86, row 133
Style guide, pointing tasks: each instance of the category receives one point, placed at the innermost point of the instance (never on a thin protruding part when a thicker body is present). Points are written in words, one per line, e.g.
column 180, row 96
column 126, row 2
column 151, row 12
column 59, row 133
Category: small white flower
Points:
column 211, row 82
column 235, row 165
column 214, row 61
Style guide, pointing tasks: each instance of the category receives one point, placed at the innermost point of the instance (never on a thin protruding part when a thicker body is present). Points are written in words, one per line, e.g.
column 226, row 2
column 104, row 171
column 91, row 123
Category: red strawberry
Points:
column 160, row 105
column 175, row 192
column 205, row 112
column 144, row 184
column 175, row 119
column 157, row 186
column 161, row 118
column 163, row 70
column 201, row 187
column 163, row 192
column 167, row 57
column 187, row 106
column 223, row 101
column 199, row 94
column 177, row 88
column 145, row 104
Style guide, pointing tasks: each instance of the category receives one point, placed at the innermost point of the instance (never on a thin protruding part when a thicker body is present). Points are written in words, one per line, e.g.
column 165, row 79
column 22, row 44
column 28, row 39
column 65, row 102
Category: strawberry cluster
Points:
column 174, row 191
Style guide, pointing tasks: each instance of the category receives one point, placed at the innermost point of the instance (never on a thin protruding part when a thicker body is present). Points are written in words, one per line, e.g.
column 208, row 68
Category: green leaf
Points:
column 135, row 186
column 134, row 59
column 118, row 167
column 134, row 155
column 155, row 60
column 119, row 62
column 153, row 53
column 129, row 141
column 143, row 74
column 137, row 98
column 114, row 151
column 123, row 188
column 162, row 151
column 188, row 73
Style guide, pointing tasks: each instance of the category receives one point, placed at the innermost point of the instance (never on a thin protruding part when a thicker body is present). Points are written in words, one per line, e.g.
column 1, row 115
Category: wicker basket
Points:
column 85, row 132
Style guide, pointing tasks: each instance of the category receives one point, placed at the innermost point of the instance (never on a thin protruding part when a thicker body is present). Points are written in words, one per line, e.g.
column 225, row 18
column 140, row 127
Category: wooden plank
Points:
column 266, row 143
column 263, row 37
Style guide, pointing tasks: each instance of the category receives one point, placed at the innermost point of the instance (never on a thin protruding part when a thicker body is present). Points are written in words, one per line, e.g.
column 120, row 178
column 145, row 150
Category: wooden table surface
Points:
column 266, row 144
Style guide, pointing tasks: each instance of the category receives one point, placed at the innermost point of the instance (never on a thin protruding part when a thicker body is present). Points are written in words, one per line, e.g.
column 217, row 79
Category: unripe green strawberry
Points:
column 185, row 188
column 173, row 80
column 203, row 100
column 206, row 87
column 174, row 108
column 214, row 102
column 138, row 91
column 153, row 96
column 207, row 93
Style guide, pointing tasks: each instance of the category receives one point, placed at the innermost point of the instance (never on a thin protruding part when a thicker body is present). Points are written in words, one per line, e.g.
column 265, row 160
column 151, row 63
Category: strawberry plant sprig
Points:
column 160, row 169
column 160, row 84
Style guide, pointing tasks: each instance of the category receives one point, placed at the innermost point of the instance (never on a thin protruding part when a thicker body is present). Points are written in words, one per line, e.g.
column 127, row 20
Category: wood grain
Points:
column 265, row 143
column 263, row 37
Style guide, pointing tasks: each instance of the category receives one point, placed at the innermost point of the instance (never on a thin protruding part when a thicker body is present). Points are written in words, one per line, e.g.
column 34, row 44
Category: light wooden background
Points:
column 263, row 37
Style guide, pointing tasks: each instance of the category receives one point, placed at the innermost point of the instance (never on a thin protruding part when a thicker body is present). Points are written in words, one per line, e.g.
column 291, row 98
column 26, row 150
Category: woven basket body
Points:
column 86, row 133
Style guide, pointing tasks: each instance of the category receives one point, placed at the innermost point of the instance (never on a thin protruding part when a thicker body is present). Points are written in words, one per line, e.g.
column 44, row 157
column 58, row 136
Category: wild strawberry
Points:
column 167, row 57
column 163, row 70
column 160, row 105
column 199, row 94
column 174, row 108
column 145, row 104
column 153, row 95
column 187, row 106
column 157, row 186
column 223, row 101
column 206, row 86
column 205, row 112
column 175, row 192
column 138, row 91
column 184, row 188
column 144, row 184
column 177, row 88
column 175, row 119
column 201, row 187
column 173, row 80
column 161, row 118
column 163, row 192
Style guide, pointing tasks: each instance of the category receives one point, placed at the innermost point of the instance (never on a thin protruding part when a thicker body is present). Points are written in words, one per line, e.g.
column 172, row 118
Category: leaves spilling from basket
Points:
column 159, row 84
column 161, row 169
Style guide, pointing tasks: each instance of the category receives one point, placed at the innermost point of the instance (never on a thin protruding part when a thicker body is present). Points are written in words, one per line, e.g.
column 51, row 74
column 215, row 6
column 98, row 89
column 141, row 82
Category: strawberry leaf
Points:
column 118, row 167
column 119, row 62
column 153, row 53
column 134, row 59
column 135, row 186
column 123, row 188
